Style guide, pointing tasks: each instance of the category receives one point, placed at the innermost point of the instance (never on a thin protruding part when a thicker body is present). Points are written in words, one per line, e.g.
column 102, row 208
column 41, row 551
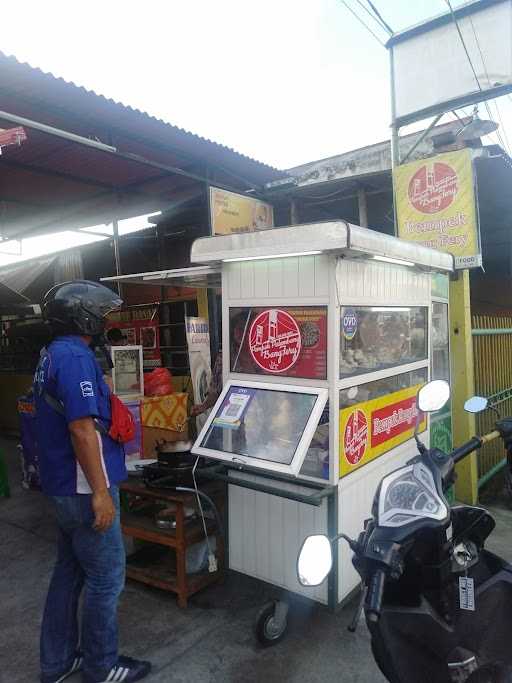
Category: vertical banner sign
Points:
column 231, row 213
column 436, row 205
column 198, row 343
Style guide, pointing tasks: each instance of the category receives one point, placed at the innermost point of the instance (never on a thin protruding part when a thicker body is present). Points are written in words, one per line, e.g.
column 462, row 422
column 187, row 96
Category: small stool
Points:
column 4, row 477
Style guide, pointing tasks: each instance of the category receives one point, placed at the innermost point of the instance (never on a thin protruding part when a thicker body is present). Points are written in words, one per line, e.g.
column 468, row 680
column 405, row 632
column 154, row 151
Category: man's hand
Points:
column 86, row 446
column 104, row 510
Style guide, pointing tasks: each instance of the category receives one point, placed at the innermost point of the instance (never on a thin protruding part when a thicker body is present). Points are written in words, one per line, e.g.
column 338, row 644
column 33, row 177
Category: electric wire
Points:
column 379, row 15
column 200, row 504
column 361, row 21
column 463, row 42
column 371, row 15
column 505, row 136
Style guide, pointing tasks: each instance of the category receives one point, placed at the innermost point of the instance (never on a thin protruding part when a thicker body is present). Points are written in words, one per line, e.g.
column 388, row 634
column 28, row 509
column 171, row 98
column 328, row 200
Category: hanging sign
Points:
column 371, row 428
column 231, row 212
column 436, row 205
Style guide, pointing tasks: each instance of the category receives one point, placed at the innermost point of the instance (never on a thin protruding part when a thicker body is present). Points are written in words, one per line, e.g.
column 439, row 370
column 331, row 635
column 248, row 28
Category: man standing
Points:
column 81, row 467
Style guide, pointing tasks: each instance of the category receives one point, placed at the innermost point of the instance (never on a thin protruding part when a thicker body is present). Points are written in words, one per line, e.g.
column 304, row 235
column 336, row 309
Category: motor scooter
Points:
column 438, row 605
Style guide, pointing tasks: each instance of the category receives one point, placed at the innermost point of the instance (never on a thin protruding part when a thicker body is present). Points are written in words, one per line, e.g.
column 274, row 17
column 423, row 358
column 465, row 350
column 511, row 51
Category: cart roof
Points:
column 336, row 237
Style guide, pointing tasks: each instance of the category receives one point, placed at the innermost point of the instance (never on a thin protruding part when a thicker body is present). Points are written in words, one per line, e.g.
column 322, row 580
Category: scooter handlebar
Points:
column 467, row 448
column 473, row 444
column 373, row 603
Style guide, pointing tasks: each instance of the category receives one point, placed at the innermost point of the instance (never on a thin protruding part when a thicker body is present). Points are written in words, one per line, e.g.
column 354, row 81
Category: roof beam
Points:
column 102, row 147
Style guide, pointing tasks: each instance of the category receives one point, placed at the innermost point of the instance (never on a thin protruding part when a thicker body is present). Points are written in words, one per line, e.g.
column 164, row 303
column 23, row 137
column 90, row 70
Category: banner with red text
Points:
column 371, row 428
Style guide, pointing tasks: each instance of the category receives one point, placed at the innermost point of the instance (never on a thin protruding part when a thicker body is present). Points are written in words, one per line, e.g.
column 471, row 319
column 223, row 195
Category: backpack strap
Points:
column 59, row 408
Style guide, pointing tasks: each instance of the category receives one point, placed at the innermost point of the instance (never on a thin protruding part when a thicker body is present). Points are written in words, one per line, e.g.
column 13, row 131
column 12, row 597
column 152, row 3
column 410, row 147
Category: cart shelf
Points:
column 158, row 573
column 144, row 528
column 162, row 563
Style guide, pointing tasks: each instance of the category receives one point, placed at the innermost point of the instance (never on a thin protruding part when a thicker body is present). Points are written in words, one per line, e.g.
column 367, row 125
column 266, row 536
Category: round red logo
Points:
column 274, row 340
column 355, row 438
column 433, row 187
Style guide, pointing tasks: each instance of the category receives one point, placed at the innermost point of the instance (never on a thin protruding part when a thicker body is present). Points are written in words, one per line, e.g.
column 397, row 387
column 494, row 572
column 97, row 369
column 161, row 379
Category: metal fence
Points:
column 492, row 348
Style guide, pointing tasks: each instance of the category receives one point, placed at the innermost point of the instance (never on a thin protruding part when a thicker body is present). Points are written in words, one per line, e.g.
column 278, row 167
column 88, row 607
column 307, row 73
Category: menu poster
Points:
column 140, row 327
column 285, row 341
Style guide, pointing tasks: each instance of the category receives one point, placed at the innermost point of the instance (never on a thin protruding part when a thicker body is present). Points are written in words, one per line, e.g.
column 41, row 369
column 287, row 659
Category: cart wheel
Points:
column 271, row 623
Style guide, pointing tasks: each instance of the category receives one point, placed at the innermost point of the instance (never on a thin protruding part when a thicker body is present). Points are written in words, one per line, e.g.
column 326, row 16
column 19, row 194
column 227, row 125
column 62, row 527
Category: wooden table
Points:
column 146, row 565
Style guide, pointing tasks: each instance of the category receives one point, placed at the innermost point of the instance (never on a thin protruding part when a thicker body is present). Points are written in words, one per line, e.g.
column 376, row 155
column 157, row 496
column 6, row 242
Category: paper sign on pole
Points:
column 436, row 205
column 231, row 213
column 198, row 342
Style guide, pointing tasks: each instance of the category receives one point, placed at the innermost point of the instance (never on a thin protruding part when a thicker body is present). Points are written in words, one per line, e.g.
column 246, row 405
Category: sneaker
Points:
column 127, row 670
column 76, row 666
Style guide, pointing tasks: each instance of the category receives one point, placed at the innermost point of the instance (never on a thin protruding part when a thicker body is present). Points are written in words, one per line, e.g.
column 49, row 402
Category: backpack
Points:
column 122, row 427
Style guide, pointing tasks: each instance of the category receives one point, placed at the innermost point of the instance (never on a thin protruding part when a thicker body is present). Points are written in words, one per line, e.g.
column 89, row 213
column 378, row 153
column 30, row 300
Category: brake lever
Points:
column 352, row 627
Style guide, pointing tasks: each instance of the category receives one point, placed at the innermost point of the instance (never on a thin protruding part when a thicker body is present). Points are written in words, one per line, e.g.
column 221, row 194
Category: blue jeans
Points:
column 94, row 563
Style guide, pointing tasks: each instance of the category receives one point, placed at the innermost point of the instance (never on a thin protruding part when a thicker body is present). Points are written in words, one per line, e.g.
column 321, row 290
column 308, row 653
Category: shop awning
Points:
column 199, row 276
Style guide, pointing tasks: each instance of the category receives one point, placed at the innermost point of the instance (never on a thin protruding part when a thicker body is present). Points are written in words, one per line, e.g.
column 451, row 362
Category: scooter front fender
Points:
column 413, row 643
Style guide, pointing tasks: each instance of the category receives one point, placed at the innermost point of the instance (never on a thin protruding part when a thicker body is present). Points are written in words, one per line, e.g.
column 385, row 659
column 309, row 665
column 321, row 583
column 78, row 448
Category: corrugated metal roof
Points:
column 20, row 276
column 50, row 183
column 69, row 98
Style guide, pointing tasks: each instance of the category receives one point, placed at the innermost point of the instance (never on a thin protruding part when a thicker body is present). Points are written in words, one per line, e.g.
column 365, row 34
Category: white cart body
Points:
column 337, row 266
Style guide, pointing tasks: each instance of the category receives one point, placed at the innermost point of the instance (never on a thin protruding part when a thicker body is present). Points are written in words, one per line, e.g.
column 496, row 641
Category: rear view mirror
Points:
column 476, row 404
column 315, row 560
column 433, row 396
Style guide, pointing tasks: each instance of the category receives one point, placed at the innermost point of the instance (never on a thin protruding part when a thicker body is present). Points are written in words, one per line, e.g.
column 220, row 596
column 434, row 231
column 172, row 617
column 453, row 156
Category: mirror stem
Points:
column 354, row 545
column 421, row 446
column 495, row 410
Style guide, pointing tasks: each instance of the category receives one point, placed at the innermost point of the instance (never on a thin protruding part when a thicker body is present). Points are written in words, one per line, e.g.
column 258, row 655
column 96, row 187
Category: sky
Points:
column 283, row 81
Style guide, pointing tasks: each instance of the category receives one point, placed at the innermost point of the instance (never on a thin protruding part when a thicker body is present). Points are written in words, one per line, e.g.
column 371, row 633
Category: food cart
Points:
column 327, row 336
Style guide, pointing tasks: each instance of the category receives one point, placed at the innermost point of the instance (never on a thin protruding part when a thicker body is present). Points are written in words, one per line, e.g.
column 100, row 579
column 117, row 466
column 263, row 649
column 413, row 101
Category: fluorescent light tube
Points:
column 398, row 261
column 259, row 258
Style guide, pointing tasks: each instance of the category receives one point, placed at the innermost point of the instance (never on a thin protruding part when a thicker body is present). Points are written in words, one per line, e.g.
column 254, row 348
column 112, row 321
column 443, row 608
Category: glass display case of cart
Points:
column 379, row 337
column 127, row 373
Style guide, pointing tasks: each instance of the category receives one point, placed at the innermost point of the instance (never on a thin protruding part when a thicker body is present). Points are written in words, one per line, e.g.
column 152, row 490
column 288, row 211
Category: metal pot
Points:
column 173, row 447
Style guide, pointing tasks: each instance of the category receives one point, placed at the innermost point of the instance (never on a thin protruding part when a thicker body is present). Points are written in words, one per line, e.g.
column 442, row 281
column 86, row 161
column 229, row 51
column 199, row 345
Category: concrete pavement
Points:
column 211, row 641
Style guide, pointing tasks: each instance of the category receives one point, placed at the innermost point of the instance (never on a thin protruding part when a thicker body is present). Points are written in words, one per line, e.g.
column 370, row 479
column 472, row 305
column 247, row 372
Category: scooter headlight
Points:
column 408, row 494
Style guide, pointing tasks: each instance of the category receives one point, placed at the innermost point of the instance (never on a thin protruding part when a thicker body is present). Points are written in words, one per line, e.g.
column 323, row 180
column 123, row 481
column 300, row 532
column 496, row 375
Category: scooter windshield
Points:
column 408, row 494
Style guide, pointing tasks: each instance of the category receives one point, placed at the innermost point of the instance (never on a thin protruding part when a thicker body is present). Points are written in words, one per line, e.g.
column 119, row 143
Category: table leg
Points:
column 181, row 557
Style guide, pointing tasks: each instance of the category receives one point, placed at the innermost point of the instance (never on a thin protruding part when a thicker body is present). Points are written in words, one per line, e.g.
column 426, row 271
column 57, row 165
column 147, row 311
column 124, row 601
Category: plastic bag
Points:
column 158, row 382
